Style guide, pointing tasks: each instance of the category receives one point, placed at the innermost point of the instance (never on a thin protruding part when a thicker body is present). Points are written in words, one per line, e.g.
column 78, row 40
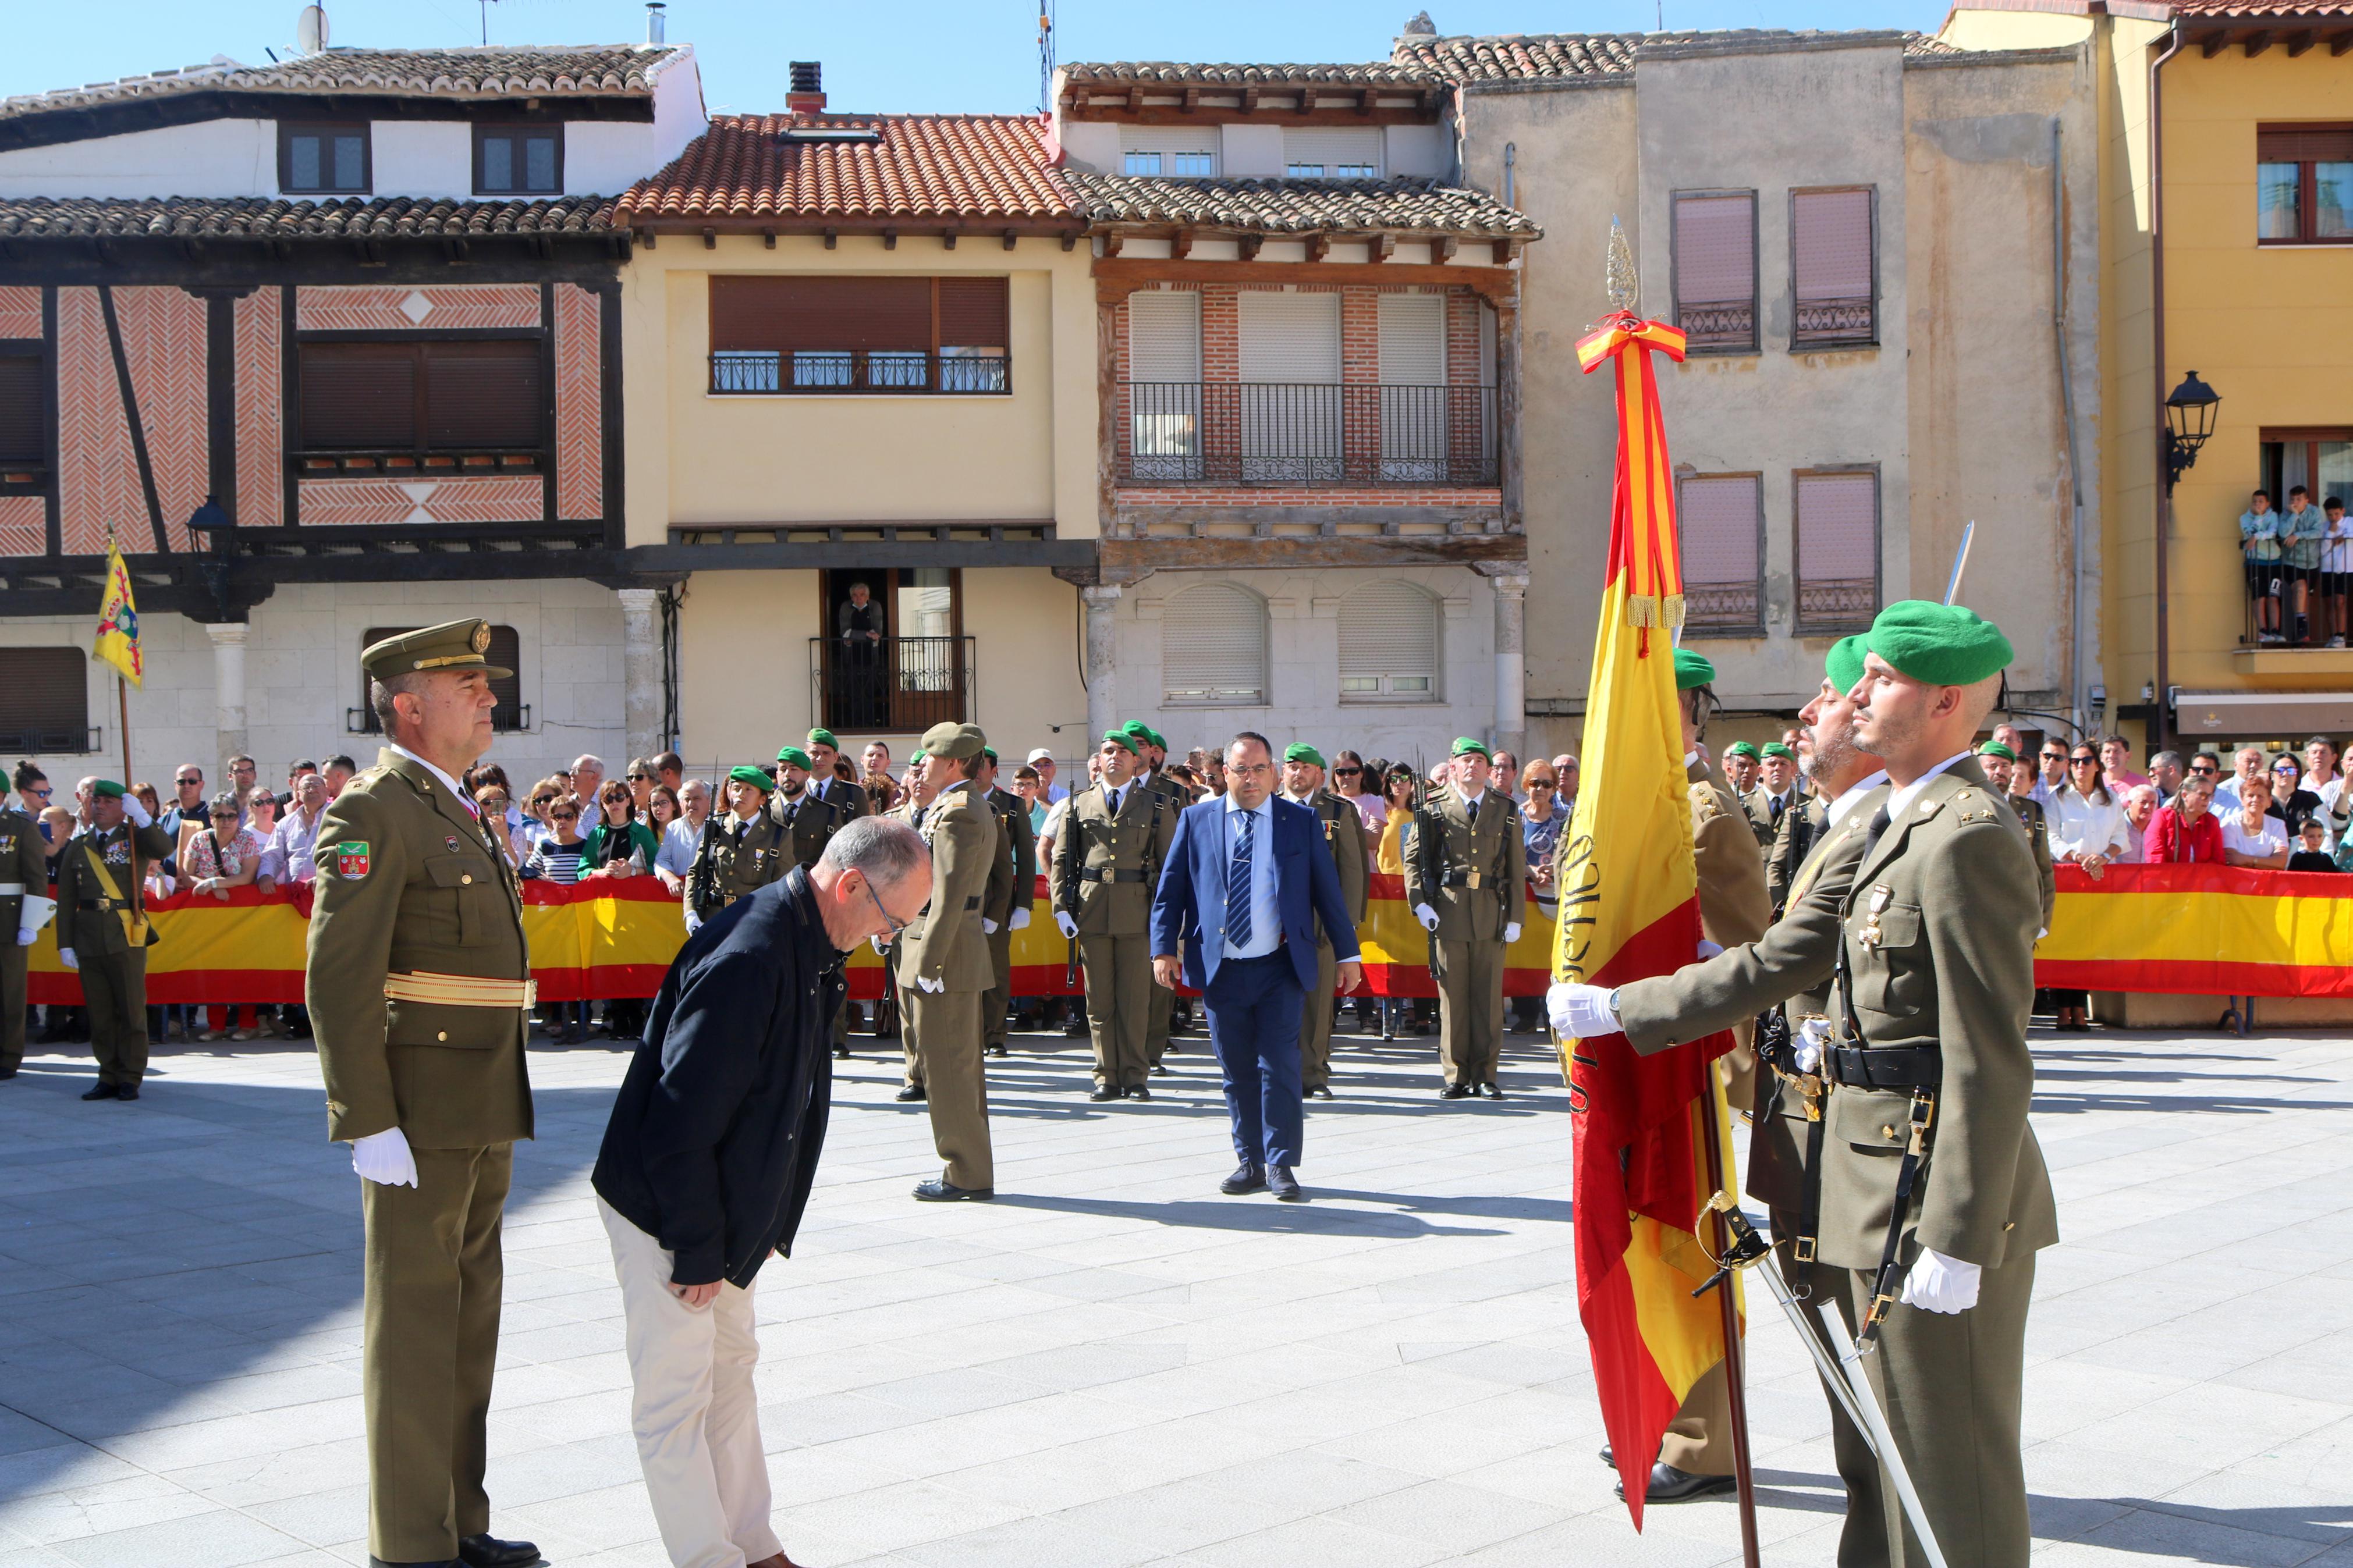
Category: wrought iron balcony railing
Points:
column 1836, row 605
column 905, row 685
column 1826, row 323
column 1729, row 326
column 1235, row 433
column 892, row 372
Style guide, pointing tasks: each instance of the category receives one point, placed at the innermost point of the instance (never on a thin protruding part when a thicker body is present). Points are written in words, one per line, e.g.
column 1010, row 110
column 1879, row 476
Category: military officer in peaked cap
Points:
column 1115, row 839
column 1343, row 835
column 103, row 930
column 1466, row 865
column 944, row 964
column 25, row 908
column 419, row 989
column 1933, row 1193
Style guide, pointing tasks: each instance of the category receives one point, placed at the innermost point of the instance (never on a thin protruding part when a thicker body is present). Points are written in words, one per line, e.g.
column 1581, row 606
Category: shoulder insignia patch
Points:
column 352, row 859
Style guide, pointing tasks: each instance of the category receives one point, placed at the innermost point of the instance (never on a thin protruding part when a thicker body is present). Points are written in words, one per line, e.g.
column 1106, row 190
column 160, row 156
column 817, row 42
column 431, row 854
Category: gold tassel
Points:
column 1675, row 617
column 1641, row 610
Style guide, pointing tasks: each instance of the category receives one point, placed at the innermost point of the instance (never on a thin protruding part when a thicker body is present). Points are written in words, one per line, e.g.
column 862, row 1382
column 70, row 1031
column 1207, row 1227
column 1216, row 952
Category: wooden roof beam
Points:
column 1180, row 244
column 1319, row 246
column 1248, row 246
column 2302, row 43
column 2258, row 41
column 2217, row 41
column 2340, row 44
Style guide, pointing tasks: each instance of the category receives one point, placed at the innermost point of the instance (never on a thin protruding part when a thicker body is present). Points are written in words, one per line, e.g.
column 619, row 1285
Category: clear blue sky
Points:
column 973, row 56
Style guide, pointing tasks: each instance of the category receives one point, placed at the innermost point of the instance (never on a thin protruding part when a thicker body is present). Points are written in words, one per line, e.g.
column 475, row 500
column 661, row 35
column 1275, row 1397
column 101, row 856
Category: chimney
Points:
column 654, row 13
column 808, row 93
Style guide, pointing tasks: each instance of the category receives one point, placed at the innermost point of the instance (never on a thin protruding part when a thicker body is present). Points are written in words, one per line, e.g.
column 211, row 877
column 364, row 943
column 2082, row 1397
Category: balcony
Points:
column 903, row 685
column 1303, row 434
column 1726, row 328
column 884, row 372
column 1835, row 323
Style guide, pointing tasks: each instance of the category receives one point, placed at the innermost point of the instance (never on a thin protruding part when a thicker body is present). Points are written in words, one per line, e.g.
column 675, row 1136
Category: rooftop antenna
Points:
column 1045, row 57
column 310, row 29
column 485, row 6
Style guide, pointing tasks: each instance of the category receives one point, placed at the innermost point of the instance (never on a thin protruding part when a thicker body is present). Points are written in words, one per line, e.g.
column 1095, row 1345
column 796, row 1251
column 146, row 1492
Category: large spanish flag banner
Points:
column 1630, row 908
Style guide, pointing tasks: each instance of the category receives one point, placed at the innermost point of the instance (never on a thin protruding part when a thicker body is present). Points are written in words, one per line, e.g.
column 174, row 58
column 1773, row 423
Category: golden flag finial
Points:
column 1625, row 284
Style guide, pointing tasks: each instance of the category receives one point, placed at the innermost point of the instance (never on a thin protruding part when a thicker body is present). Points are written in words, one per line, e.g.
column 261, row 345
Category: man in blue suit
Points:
column 1239, row 897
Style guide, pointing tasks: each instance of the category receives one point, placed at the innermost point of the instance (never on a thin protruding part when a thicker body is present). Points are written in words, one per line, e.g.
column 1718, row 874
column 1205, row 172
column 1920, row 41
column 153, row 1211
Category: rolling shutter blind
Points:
column 1213, row 647
column 359, row 395
column 1716, row 250
column 24, row 434
column 483, row 395
column 1388, row 641
column 1163, row 335
column 1332, row 149
column 2300, row 145
column 1831, row 245
column 1718, row 517
column 505, row 653
column 821, row 315
column 972, row 313
column 43, row 700
column 1838, row 549
column 1290, row 337
column 1413, row 340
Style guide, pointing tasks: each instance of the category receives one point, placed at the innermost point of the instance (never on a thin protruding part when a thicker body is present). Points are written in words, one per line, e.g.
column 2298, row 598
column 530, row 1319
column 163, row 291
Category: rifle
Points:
column 1429, row 853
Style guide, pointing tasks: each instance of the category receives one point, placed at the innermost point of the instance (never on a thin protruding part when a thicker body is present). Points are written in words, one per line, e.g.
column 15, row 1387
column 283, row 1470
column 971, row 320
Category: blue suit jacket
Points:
column 1191, row 898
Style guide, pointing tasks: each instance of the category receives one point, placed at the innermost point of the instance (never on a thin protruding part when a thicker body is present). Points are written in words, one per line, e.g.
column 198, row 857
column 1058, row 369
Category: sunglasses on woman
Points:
column 542, row 799
column 566, row 815
column 497, row 800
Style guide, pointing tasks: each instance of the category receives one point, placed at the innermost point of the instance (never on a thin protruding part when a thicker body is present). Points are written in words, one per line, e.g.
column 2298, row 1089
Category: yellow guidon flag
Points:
column 1630, row 908
column 117, row 621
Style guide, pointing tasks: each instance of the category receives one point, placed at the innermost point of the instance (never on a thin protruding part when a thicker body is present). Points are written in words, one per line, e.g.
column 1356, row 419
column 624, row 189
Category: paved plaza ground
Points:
column 1112, row 1364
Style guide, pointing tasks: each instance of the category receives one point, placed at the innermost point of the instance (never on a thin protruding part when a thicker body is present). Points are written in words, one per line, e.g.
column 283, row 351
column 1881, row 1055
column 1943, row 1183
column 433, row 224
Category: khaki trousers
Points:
column 1160, row 1012
column 999, row 996
column 1470, row 1008
column 14, row 962
column 114, row 986
column 1120, row 998
column 1315, row 1022
column 909, row 1047
column 433, row 1276
column 947, row 1023
column 692, row 1408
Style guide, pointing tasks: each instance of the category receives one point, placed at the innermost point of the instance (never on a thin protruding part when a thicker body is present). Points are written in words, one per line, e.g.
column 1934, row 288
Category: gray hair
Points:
column 884, row 849
column 226, row 800
column 380, row 696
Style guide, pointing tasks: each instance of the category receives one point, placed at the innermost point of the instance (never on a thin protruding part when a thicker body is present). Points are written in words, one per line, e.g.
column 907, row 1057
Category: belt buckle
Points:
column 1473, row 882
column 1802, row 1249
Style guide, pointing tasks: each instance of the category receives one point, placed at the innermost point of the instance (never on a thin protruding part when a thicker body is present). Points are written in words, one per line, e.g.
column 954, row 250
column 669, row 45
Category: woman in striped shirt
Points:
column 557, row 858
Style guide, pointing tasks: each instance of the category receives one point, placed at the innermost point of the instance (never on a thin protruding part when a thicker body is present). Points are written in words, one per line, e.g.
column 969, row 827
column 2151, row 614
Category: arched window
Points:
column 1389, row 644
column 1213, row 647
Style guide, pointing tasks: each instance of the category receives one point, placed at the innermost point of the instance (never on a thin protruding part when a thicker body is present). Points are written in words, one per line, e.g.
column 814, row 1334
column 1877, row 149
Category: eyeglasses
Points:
column 1250, row 770
column 224, row 817
column 542, row 799
column 499, row 800
column 1540, row 783
column 895, row 923
column 564, row 815
column 2202, row 768
column 43, row 793
column 639, row 778
column 2083, row 762
column 2055, row 756
column 1345, row 773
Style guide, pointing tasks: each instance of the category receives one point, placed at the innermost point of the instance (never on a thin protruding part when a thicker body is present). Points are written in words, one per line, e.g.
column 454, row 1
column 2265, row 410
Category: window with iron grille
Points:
column 505, row 653
column 1715, row 270
column 2303, row 184
column 1389, row 644
column 471, row 405
column 1720, row 524
column 860, row 334
column 511, row 161
column 25, row 421
column 325, row 160
column 1213, row 647
column 1834, row 268
column 44, row 700
column 1837, row 522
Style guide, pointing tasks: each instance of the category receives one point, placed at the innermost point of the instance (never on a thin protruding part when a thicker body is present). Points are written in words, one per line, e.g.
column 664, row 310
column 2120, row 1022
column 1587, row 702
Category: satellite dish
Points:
column 310, row 29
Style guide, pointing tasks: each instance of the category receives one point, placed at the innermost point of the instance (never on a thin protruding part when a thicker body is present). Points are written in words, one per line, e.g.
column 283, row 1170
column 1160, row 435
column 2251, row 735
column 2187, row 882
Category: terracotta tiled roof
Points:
column 1296, row 206
column 264, row 217
column 1377, row 73
column 1533, row 56
column 792, row 168
column 2253, row 10
column 617, row 71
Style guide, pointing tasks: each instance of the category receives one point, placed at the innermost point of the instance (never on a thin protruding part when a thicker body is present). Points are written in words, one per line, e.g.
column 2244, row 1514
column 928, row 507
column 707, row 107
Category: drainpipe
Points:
column 2164, row 733
column 1510, row 157
column 2078, row 663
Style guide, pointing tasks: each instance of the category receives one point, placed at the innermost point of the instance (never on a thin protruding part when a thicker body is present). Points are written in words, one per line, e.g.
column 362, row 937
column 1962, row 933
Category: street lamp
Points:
column 2188, row 420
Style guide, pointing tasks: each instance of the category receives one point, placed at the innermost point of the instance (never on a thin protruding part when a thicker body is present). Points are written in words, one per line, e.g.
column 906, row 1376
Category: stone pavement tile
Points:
column 269, row 1476
column 1174, row 1516
column 2146, row 1533
column 1028, row 1544
column 219, row 1539
column 894, row 1518
column 15, row 1556
column 53, row 1516
column 1319, row 1539
column 61, row 1465
column 1595, row 1538
column 1451, row 1515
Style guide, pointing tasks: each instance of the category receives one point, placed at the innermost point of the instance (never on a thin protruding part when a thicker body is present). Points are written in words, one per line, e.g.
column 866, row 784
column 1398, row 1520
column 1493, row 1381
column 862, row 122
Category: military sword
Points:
column 1960, row 564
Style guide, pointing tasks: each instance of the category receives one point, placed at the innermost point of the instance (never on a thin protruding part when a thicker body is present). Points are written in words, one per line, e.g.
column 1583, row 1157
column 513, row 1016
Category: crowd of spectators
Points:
column 2299, row 564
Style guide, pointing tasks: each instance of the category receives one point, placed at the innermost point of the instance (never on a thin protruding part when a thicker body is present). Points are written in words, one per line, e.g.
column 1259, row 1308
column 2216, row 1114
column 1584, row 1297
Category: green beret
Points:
column 1121, row 738
column 990, row 752
column 1996, row 749
column 954, row 742
column 1741, row 749
column 823, row 737
column 106, row 789
column 1938, row 645
column 753, row 776
column 795, row 756
column 1155, row 737
column 1775, row 749
column 1692, row 670
column 1465, row 744
column 1139, row 732
column 1300, row 752
column 452, row 644
column 1844, row 666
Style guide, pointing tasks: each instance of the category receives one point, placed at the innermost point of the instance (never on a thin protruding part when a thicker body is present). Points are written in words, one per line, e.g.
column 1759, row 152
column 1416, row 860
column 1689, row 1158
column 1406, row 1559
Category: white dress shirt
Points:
column 2082, row 827
column 456, row 792
column 1836, row 811
column 1266, row 913
column 1901, row 801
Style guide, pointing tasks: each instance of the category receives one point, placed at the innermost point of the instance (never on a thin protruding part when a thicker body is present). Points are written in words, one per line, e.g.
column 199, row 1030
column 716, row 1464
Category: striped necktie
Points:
column 1237, row 884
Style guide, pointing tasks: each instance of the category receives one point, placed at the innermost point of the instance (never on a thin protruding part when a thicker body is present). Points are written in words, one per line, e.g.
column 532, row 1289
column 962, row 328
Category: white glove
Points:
column 384, row 1158
column 26, row 936
column 1070, row 927
column 1427, row 916
column 926, row 983
column 987, row 926
column 1813, row 1038
column 65, row 956
column 34, row 915
column 1020, row 918
column 136, row 810
column 1582, row 1012
column 694, row 922
column 1941, row 1284
column 1511, row 933
column 1708, row 949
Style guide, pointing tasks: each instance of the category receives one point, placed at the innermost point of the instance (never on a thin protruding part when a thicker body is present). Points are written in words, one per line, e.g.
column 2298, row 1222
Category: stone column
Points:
column 641, row 674
column 1102, row 659
column 228, row 698
column 1511, row 661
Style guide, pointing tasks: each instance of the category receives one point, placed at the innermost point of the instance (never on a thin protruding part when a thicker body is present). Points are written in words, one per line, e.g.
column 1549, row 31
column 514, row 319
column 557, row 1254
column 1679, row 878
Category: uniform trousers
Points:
column 692, row 1407
column 1470, row 1008
column 1254, row 1006
column 434, row 1275
column 15, row 963
column 1160, row 1015
column 946, row 1028
column 999, row 996
column 909, row 1047
column 1120, row 999
column 1315, row 1021
column 114, row 986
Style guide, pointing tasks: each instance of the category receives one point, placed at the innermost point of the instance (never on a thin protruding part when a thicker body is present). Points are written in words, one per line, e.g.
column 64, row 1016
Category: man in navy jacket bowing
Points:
column 707, row 1164
column 1239, row 897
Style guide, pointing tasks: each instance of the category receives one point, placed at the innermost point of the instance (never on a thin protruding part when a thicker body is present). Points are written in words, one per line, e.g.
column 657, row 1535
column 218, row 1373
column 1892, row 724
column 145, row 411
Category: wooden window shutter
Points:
column 483, row 394
column 1289, row 337
column 1718, row 526
column 24, row 424
column 2303, row 144
column 1837, row 551
column 972, row 313
column 1831, row 239
column 1213, row 647
column 1716, row 250
column 1388, row 642
column 821, row 314
column 359, row 395
column 1163, row 335
column 505, row 652
column 44, row 700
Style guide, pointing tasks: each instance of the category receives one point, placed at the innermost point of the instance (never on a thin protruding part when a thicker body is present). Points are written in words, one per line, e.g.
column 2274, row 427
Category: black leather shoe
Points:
column 489, row 1551
column 940, row 1190
column 103, row 1091
column 992, row 1050
column 913, row 1091
column 842, row 1053
column 126, row 1091
column 1106, row 1092
column 1322, row 1091
column 1163, row 1069
column 1669, row 1484
column 6, row 1073
column 1283, row 1185
column 1245, row 1179
column 1492, row 1090
column 1455, row 1091
column 1140, row 1092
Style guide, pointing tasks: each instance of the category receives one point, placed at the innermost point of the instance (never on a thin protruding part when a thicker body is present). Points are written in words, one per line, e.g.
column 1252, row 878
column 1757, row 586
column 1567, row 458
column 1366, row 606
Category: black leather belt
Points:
column 972, row 902
column 1911, row 1067
column 1108, row 874
column 1464, row 879
column 102, row 905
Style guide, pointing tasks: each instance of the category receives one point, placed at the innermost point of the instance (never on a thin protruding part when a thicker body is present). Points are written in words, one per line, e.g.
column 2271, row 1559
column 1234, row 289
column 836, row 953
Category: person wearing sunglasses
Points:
column 25, row 908
column 2088, row 828
column 2291, row 804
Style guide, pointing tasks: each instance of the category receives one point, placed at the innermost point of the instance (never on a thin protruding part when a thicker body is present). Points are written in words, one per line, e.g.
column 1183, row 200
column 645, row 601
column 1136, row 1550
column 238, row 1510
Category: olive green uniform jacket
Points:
column 23, row 860
column 2031, row 817
column 1493, row 852
column 1792, row 845
column 945, row 943
column 127, row 851
column 809, row 821
column 1014, row 884
column 1105, row 868
column 737, row 856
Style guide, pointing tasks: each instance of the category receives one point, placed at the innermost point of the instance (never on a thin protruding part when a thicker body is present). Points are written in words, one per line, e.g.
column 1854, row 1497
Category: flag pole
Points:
column 123, row 693
column 1735, row 1393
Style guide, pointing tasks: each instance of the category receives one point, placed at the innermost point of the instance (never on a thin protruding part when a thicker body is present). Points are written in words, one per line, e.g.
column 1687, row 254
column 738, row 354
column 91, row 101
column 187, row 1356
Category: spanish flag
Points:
column 117, row 620
column 1630, row 908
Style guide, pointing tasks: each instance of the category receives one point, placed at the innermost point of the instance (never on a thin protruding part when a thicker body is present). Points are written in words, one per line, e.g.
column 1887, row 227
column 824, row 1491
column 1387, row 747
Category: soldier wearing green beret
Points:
column 743, row 848
column 1776, row 794
column 809, row 819
column 1114, row 838
column 1801, row 827
column 1012, row 886
column 103, row 930
column 943, row 965
column 419, row 990
column 25, row 908
column 1466, row 878
column 2014, row 782
column 1151, row 773
column 1343, row 835
column 1740, row 760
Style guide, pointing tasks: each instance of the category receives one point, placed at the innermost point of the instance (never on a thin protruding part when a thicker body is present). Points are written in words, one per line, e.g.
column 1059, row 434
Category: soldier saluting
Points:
column 419, row 990
column 1466, row 866
column 1114, row 840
